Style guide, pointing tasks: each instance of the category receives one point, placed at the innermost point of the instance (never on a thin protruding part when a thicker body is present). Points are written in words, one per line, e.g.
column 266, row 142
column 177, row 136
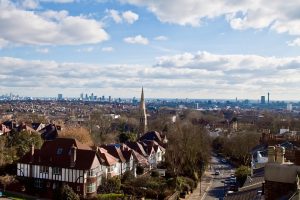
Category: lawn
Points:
column 15, row 196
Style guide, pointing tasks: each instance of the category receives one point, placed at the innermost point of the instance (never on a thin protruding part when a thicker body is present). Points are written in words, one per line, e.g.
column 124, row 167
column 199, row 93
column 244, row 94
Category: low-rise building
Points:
column 62, row 161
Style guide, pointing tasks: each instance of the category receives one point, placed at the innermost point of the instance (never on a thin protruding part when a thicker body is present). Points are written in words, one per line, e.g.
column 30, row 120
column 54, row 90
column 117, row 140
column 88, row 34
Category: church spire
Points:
column 143, row 115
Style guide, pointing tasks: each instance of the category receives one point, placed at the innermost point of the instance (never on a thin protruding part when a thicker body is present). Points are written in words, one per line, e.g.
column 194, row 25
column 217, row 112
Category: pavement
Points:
column 211, row 186
column 202, row 188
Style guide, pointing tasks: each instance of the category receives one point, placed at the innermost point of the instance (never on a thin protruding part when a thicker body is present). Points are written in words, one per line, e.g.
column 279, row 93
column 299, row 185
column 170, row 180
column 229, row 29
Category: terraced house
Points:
column 67, row 161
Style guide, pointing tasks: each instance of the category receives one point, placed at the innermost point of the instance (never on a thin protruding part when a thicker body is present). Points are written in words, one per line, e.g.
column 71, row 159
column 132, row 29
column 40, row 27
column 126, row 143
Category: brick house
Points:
column 62, row 161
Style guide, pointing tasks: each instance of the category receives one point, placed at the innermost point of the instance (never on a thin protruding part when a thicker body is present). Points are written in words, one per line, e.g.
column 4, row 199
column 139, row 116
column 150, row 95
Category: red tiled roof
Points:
column 137, row 147
column 56, row 153
column 106, row 158
column 151, row 135
column 115, row 151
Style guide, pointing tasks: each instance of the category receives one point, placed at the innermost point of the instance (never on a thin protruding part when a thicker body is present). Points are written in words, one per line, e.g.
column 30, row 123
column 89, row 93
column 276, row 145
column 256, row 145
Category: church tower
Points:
column 143, row 115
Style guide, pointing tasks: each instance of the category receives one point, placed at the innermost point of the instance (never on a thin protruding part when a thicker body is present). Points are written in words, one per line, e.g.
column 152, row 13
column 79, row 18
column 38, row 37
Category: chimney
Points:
column 32, row 153
column 280, row 151
column 271, row 154
column 73, row 155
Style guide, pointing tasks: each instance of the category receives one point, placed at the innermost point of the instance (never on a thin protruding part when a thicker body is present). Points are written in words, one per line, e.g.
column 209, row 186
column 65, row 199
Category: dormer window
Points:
column 59, row 151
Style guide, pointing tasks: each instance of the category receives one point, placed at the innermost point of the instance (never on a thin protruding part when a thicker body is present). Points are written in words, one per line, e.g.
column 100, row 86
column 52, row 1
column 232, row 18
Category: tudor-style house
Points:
column 62, row 161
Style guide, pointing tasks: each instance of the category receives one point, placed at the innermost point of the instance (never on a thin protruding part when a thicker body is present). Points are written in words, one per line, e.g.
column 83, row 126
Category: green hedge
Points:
column 185, row 184
column 111, row 196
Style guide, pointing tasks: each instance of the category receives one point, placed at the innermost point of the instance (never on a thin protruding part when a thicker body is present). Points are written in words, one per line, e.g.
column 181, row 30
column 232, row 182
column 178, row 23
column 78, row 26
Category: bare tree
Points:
column 79, row 133
column 188, row 148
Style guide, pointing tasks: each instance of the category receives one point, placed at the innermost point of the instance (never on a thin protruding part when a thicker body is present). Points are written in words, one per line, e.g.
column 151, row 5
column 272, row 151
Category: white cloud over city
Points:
column 177, row 48
column 193, row 72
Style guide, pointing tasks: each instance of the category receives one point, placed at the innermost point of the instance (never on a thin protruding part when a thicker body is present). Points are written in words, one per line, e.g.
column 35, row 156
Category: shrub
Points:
column 185, row 184
column 111, row 185
column 65, row 192
column 241, row 174
column 154, row 174
column 191, row 183
column 151, row 194
column 111, row 196
column 185, row 187
column 127, row 177
column 140, row 181
column 171, row 183
column 139, row 170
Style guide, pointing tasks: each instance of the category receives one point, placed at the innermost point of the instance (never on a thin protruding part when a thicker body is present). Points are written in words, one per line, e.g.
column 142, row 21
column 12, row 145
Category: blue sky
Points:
column 174, row 48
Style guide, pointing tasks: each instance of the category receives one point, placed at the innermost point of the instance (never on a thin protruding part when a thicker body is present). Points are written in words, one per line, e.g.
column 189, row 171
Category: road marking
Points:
column 207, row 189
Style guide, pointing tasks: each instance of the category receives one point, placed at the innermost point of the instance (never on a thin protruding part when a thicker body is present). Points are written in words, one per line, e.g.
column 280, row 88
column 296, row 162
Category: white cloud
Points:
column 130, row 17
column 280, row 16
column 115, row 15
column 107, row 49
column 3, row 43
column 295, row 42
column 49, row 28
column 137, row 40
column 161, row 38
column 86, row 49
column 42, row 50
column 127, row 16
column 30, row 4
column 198, row 75
column 58, row 1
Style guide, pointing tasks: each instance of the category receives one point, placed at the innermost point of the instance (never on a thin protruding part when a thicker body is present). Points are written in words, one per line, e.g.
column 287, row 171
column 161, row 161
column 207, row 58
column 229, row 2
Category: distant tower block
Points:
column 262, row 99
column 143, row 115
column 268, row 97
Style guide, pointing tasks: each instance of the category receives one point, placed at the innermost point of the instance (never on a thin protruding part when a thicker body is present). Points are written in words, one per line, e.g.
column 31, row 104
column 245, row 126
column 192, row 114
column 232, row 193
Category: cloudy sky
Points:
column 174, row 48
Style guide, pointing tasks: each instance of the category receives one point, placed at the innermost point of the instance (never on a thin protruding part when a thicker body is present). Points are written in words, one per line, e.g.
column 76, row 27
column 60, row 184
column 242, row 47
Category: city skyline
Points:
column 211, row 50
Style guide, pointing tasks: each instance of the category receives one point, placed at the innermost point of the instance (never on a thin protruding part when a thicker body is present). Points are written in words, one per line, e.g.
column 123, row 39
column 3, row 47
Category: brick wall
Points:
column 276, row 190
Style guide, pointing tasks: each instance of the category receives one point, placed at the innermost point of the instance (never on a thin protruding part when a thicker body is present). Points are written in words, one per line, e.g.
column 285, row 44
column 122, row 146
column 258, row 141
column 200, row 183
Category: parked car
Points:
column 233, row 179
column 217, row 172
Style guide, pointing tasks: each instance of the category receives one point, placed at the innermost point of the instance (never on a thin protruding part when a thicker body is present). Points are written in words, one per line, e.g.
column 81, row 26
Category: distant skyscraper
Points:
column 289, row 107
column 262, row 99
column 143, row 115
column 59, row 97
column 109, row 99
column 268, row 97
column 81, row 96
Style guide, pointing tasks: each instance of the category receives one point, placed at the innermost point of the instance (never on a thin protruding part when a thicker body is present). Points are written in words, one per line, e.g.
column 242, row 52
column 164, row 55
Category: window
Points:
column 38, row 183
column 92, row 172
column 111, row 168
column 91, row 188
column 59, row 151
column 44, row 169
column 78, row 189
column 56, row 170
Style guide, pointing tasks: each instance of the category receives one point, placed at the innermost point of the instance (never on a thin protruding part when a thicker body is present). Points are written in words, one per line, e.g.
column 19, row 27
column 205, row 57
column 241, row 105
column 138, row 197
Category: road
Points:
column 216, row 190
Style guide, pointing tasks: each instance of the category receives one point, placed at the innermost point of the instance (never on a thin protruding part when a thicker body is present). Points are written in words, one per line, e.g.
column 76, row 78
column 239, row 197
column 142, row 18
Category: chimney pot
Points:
column 280, row 151
column 271, row 154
